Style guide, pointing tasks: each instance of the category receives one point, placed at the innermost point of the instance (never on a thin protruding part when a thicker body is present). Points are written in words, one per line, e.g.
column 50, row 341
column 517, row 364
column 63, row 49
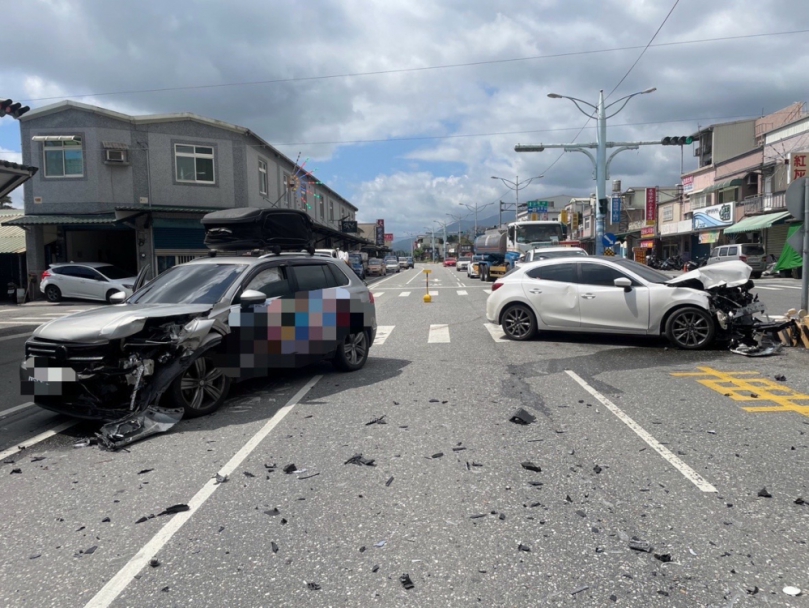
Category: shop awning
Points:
column 13, row 175
column 731, row 183
column 757, row 222
column 52, row 220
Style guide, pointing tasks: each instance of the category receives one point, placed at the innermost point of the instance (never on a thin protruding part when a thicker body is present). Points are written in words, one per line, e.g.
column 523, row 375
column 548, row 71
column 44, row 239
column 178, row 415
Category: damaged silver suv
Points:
column 174, row 347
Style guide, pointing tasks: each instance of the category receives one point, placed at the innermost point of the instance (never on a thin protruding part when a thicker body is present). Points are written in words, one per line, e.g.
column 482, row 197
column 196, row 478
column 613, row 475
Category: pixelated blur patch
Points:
column 45, row 378
column 291, row 332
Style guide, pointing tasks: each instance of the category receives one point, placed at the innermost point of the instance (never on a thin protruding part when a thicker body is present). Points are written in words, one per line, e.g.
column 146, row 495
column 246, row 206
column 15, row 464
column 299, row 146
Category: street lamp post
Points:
column 444, row 248
column 476, row 208
column 601, row 150
column 516, row 187
column 458, row 218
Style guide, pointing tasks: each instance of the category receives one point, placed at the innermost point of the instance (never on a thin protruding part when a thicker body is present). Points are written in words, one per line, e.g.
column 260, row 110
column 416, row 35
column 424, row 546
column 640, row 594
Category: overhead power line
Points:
column 417, row 69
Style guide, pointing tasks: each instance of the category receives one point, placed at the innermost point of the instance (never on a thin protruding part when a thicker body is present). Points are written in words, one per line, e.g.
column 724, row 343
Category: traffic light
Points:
column 9, row 108
column 677, row 141
column 603, row 206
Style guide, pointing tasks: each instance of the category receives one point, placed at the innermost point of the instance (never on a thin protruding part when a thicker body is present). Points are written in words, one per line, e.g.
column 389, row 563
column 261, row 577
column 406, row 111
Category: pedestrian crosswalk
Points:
column 434, row 292
column 437, row 333
column 34, row 318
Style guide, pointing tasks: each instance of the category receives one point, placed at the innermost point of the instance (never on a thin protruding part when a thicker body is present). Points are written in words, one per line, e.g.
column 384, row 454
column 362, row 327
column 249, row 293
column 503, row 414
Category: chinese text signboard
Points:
column 616, row 209
column 651, row 205
column 797, row 165
column 647, row 231
column 688, row 183
column 380, row 232
column 715, row 216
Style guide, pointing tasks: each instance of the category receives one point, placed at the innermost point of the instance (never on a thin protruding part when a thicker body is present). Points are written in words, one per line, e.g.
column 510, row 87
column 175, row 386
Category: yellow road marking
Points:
column 739, row 386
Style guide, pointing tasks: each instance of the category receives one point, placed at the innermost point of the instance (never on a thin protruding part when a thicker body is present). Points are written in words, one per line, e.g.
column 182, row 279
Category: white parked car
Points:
column 463, row 263
column 86, row 281
column 615, row 295
column 547, row 253
column 392, row 264
column 472, row 270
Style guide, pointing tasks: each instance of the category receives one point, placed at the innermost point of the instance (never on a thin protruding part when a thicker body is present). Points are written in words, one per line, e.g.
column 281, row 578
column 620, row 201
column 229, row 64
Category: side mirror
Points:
column 252, row 297
column 623, row 282
column 118, row 297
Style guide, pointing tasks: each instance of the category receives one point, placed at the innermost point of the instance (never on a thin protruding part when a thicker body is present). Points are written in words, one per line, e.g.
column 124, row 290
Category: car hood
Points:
column 112, row 322
column 727, row 274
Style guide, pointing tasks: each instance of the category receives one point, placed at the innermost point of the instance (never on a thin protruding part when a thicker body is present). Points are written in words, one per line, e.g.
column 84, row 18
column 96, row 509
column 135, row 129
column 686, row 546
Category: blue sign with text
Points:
column 616, row 209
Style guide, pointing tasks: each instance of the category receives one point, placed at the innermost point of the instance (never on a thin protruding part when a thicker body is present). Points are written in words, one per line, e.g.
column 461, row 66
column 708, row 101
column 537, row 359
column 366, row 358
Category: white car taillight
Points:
column 496, row 285
column 45, row 275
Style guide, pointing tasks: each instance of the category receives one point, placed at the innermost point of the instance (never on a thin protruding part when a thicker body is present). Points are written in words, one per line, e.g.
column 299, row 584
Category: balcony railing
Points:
column 764, row 202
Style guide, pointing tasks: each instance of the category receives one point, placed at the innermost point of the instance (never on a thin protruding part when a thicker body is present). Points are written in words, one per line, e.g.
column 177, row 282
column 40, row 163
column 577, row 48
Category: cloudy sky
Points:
column 408, row 107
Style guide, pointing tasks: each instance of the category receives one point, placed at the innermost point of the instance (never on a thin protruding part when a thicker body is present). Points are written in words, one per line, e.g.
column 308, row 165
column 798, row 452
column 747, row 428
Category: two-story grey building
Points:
column 130, row 190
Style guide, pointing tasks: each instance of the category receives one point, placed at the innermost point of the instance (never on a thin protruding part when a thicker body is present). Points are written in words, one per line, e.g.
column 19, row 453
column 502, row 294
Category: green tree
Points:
column 5, row 202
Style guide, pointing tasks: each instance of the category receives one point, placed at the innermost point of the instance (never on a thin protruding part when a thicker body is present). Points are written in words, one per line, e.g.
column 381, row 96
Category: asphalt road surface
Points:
column 636, row 445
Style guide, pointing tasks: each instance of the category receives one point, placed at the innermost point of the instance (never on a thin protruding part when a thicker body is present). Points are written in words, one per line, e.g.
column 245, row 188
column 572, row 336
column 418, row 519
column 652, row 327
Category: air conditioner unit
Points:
column 115, row 156
column 751, row 180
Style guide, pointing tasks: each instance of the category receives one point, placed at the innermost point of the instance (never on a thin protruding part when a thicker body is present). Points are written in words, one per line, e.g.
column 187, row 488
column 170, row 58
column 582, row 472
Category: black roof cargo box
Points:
column 247, row 228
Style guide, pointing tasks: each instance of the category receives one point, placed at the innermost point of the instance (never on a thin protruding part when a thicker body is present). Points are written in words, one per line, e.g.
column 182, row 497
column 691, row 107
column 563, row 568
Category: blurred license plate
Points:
column 749, row 310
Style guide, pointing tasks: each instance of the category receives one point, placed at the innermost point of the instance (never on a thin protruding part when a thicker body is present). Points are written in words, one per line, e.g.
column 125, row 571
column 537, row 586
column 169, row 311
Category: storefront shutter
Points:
column 178, row 234
column 775, row 238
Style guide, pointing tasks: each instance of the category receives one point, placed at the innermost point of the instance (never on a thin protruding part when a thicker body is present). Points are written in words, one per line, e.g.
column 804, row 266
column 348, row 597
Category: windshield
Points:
column 753, row 249
column 190, row 284
column 375, row 262
column 391, row 260
column 642, row 270
column 113, row 272
column 539, row 233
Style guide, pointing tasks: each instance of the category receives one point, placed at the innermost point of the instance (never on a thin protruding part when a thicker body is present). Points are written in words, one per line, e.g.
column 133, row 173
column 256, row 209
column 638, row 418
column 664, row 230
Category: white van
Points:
column 326, row 253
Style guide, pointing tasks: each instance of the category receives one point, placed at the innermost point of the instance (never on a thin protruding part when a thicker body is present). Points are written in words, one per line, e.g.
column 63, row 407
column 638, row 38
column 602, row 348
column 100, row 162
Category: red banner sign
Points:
column 647, row 231
column 651, row 204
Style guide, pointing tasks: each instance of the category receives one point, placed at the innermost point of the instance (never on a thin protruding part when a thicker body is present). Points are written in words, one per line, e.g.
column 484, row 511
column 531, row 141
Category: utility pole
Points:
column 601, row 163
column 515, row 185
column 475, row 209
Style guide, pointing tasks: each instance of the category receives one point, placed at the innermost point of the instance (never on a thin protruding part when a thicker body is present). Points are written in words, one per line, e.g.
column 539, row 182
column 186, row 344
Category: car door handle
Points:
column 588, row 296
column 534, row 291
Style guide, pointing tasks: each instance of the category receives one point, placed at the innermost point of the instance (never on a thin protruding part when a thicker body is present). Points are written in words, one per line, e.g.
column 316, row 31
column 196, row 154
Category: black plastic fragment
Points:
column 16, row 472
column 359, row 460
column 763, row 493
column 309, row 476
column 663, row 557
column 313, row 586
column 458, row 449
column 283, row 521
column 476, row 464
column 502, row 517
column 165, row 589
column 154, row 562
column 175, row 509
column 106, row 520
column 405, row 579
column 530, row 466
column 248, row 474
column 525, row 548
column 273, row 546
column 38, row 458
column 91, row 550
column 597, row 469
column 800, row 501
column 375, row 569
column 581, row 513
column 35, row 556
column 146, row 518
column 637, row 544
column 433, row 400
column 274, row 511
column 437, row 455
column 522, row 417
column 536, row 484
column 389, row 481
column 753, row 591
column 144, row 471
column 780, row 378
column 580, row 589
column 290, row 468
column 362, row 549
column 270, row 467
column 220, row 479
column 380, row 420
column 478, row 516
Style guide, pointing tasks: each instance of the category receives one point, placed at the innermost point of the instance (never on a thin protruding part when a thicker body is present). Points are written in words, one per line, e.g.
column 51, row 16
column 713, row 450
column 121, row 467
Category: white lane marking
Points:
column 438, row 333
column 496, row 332
column 768, row 288
column 15, row 336
column 121, row 580
column 404, row 294
column 463, row 292
column 376, row 294
column 372, row 285
column 433, row 293
column 678, row 464
column 382, row 334
column 37, row 438
column 487, row 291
column 416, row 276
column 16, row 408
column 789, row 287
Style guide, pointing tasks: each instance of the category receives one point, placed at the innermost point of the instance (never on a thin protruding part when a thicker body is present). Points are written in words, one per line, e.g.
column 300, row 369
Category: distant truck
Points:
column 498, row 250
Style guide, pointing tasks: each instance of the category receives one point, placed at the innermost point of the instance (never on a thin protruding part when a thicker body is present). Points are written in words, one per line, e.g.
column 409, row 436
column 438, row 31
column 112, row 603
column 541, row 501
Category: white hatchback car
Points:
column 87, row 281
column 608, row 295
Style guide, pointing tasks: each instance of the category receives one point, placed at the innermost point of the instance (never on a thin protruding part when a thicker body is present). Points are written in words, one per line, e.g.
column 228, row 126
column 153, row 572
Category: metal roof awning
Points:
column 13, row 175
column 757, row 222
column 731, row 183
column 50, row 220
column 114, row 145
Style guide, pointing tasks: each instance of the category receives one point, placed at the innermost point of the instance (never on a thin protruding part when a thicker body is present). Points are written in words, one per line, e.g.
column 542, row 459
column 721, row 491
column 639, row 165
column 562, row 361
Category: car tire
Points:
column 352, row 354
column 690, row 328
column 519, row 323
column 53, row 293
column 195, row 399
column 756, row 275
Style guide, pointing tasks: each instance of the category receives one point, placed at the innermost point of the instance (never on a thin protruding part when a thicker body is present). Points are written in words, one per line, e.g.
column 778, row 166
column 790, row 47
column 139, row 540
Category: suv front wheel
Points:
column 201, row 389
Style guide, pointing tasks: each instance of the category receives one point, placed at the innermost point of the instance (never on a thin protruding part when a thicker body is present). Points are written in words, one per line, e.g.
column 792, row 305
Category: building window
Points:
column 194, row 164
column 64, row 158
column 668, row 213
column 331, row 212
column 698, row 201
column 322, row 210
column 262, row 177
